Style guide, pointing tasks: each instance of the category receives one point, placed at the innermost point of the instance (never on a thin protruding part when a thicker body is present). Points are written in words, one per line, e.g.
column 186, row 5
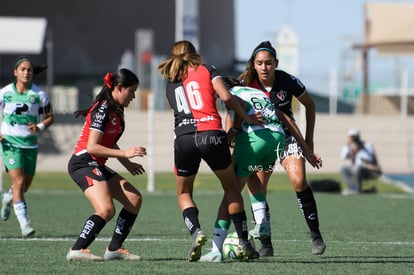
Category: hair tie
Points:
column 108, row 80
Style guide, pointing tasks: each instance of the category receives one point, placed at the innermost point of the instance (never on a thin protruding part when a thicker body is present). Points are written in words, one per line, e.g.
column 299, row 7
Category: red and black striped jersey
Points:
column 109, row 123
column 194, row 101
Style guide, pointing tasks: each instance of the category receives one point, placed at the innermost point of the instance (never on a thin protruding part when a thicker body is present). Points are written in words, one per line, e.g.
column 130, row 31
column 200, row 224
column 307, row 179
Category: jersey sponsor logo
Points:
column 189, row 121
column 21, row 108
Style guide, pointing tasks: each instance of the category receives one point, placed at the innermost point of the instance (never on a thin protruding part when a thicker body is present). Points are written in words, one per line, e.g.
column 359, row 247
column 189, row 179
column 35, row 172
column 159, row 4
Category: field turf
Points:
column 365, row 234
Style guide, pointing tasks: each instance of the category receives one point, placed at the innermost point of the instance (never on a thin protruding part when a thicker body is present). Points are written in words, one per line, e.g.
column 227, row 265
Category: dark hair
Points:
column 21, row 59
column 37, row 69
column 231, row 81
column 124, row 77
column 250, row 73
column 264, row 46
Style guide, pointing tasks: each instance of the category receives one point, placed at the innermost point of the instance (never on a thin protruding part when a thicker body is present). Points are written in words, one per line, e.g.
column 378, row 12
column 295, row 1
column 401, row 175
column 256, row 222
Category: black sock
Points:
column 190, row 216
column 307, row 204
column 91, row 229
column 240, row 224
column 123, row 226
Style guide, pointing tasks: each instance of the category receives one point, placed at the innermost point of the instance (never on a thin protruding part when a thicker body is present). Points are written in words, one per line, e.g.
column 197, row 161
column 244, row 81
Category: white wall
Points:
column 392, row 137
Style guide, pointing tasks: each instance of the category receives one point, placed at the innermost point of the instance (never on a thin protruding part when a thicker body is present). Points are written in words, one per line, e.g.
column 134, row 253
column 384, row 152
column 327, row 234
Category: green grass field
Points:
column 365, row 234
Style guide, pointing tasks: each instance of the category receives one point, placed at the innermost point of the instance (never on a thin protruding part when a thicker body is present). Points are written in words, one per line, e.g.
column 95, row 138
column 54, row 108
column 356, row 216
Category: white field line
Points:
column 62, row 239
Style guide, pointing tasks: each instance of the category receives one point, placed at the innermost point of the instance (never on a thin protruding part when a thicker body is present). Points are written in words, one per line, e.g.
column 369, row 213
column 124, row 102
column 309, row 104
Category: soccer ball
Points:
column 231, row 248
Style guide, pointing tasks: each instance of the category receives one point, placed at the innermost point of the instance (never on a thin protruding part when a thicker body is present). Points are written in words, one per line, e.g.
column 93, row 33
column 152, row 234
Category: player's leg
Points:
column 94, row 185
column 17, row 160
column 187, row 160
column 236, row 209
column 217, row 156
column 131, row 200
column 295, row 168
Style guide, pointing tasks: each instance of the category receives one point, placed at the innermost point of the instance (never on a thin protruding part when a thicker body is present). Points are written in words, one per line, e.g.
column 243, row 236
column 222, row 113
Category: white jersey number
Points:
column 192, row 99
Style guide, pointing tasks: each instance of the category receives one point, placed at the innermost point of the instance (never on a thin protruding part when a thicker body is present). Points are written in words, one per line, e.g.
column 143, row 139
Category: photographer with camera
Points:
column 364, row 164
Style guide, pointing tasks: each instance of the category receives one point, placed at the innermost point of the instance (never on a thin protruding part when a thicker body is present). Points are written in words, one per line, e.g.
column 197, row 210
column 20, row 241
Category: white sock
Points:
column 8, row 197
column 20, row 209
column 219, row 235
column 259, row 211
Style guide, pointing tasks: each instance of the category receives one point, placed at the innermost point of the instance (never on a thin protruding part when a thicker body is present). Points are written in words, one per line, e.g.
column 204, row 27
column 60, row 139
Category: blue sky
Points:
column 326, row 31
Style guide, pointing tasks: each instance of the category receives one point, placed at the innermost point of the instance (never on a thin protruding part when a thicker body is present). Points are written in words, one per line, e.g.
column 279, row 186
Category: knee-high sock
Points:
column 221, row 228
column 190, row 216
column 307, row 204
column 258, row 203
column 123, row 226
column 91, row 229
column 240, row 224
column 20, row 210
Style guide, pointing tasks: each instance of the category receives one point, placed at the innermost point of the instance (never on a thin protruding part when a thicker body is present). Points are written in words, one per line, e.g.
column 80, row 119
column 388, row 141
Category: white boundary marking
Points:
column 65, row 239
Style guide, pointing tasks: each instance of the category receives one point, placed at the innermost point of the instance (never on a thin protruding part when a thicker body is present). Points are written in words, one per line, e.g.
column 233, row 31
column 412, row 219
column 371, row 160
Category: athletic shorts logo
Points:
column 97, row 172
column 12, row 161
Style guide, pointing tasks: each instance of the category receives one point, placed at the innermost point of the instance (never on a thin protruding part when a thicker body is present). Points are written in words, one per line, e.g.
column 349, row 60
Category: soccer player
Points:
column 191, row 92
column 23, row 105
column 103, row 126
column 256, row 149
column 261, row 73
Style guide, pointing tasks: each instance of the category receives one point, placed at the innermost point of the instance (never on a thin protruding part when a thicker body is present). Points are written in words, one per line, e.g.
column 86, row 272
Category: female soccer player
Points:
column 261, row 73
column 23, row 104
column 103, row 126
column 191, row 93
column 256, row 148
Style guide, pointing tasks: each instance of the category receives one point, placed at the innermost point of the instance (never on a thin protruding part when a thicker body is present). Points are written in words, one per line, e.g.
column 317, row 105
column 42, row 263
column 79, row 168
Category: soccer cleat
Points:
column 199, row 239
column 28, row 231
column 260, row 231
column 120, row 254
column 82, row 255
column 249, row 253
column 318, row 246
column 212, row 257
column 5, row 206
column 266, row 251
column 267, row 247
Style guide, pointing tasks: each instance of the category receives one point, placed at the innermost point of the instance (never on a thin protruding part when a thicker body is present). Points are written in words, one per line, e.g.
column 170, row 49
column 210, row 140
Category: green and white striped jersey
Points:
column 257, row 101
column 18, row 111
